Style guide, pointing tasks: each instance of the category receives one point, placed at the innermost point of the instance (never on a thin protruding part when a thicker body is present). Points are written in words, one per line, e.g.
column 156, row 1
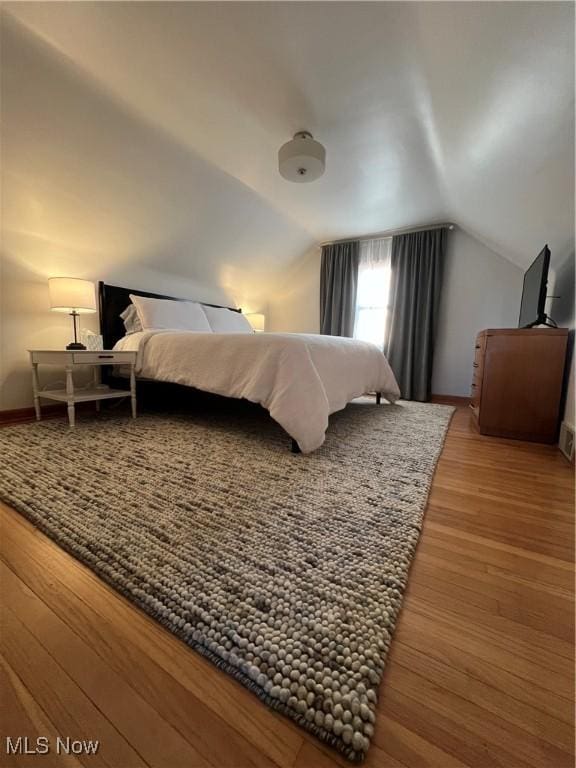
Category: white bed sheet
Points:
column 299, row 378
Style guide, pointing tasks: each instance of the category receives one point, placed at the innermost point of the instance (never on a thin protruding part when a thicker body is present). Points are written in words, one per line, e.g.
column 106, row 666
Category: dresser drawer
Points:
column 475, row 393
column 479, row 350
column 477, row 372
column 104, row 358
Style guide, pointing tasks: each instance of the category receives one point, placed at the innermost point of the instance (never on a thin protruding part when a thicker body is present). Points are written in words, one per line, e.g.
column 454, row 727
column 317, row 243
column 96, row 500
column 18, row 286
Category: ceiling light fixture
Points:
column 302, row 159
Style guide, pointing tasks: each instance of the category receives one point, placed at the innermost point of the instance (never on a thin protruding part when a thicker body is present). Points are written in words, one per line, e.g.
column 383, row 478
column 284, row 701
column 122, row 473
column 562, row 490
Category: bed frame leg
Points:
column 378, row 398
column 295, row 448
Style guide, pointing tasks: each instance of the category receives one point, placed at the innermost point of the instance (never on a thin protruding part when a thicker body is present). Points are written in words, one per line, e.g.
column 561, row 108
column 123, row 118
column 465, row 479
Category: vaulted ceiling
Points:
column 457, row 111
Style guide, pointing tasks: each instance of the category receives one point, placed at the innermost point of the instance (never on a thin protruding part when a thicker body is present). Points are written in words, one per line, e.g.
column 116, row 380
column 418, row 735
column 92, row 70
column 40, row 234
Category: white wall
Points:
column 481, row 290
column 89, row 189
column 295, row 304
column 561, row 309
column 570, row 407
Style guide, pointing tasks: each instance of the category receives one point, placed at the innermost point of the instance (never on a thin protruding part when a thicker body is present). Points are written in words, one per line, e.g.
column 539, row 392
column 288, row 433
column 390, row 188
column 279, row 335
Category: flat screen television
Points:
column 533, row 307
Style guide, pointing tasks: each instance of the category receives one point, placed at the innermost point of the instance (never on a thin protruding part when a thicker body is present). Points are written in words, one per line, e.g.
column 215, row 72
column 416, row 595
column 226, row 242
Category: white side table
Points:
column 69, row 359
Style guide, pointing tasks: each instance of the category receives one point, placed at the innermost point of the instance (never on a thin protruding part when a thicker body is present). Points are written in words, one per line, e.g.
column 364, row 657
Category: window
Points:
column 373, row 291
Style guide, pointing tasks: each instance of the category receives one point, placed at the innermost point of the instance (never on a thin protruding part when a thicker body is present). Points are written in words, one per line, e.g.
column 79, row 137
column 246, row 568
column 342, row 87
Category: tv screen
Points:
column 533, row 307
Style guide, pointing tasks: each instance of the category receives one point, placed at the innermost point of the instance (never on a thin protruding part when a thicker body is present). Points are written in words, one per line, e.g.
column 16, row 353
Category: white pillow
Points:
column 227, row 321
column 131, row 320
column 167, row 313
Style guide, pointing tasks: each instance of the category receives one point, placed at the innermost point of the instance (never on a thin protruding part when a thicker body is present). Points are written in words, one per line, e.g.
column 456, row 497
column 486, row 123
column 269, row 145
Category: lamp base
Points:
column 75, row 345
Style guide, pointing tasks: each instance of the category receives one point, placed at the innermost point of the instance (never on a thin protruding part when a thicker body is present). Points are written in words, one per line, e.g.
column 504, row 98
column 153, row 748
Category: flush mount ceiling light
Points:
column 303, row 159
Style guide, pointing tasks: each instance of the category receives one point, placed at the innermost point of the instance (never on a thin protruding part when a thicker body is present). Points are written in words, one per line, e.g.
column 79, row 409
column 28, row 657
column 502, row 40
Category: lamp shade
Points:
column 69, row 293
column 256, row 320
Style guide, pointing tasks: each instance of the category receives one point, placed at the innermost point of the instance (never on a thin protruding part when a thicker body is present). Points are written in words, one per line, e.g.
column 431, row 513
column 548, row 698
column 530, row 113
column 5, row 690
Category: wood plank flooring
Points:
column 481, row 671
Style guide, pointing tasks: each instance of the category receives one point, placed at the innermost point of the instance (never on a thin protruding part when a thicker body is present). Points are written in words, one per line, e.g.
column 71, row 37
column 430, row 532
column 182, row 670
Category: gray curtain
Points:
column 417, row 265
column 338, row 287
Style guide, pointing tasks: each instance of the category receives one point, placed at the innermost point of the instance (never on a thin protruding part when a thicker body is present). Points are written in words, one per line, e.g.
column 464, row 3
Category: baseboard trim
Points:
column 457, row 400
column 16, row 415
column 22, row 415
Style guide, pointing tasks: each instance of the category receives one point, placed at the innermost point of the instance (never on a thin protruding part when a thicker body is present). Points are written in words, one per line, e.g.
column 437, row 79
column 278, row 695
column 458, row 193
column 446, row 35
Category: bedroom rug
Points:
column 286, row 570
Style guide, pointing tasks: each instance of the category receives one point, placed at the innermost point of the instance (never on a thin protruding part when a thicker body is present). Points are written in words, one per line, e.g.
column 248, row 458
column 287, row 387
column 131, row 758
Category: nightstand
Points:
column 70, row 359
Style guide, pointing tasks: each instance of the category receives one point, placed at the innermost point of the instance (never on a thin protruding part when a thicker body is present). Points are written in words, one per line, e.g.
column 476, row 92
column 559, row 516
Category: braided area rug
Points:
column 286, row 570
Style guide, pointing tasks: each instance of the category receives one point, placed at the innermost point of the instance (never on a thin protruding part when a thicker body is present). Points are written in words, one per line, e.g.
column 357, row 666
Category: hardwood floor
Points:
column 481, row 671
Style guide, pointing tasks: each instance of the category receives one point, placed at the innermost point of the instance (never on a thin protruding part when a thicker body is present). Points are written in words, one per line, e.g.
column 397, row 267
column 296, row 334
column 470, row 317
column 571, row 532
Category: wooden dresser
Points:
column 517, row 383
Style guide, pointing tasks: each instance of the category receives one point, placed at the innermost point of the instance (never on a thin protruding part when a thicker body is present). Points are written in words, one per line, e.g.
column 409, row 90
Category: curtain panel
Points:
column 373, row 290
column 338, row 288
column 417, row 265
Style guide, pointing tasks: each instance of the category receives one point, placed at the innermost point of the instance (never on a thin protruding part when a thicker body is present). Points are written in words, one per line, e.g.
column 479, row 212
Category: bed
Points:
column 300, row 379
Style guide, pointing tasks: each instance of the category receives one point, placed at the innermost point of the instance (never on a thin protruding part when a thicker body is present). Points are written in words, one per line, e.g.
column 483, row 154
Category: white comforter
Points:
column 299, row 378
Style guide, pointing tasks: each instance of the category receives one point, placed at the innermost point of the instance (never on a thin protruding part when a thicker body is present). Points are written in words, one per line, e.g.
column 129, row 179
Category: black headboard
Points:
column 112, row 300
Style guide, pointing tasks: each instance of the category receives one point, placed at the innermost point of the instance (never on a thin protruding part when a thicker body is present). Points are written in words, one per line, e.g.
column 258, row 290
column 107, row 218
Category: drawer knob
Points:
column 105, row 357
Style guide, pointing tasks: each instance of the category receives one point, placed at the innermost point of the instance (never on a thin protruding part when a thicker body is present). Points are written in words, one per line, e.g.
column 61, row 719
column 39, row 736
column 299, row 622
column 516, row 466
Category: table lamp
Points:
column 77, row 297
